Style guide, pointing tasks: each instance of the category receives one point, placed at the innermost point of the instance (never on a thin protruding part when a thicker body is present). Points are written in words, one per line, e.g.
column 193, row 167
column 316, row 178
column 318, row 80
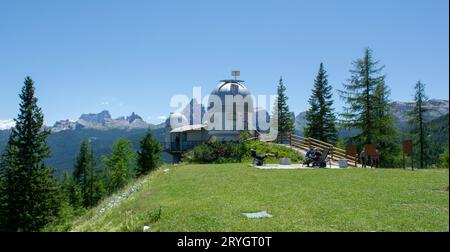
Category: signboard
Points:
column 370, row 150
column 236, row 73
column 408, row 147
column 351, row 150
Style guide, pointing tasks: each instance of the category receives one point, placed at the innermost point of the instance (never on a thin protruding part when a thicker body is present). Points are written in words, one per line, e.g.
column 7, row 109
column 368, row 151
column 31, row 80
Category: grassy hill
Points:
column 212, row 198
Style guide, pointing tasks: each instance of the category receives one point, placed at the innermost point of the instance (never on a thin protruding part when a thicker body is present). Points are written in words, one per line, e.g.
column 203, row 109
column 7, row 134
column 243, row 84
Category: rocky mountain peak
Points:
column 101, row 117
column 133, row 117
column 102, row 121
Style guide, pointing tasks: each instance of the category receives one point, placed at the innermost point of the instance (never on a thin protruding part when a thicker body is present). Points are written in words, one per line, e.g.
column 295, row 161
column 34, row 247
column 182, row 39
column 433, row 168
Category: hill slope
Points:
column 213, row 198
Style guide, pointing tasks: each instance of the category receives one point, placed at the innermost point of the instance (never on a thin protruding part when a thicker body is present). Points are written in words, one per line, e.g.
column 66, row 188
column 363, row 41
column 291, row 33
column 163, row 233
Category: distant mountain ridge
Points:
column 102, row 121
column 435, row 108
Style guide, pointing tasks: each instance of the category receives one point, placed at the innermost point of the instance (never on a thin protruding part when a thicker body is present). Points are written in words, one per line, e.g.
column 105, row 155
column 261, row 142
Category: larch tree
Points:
column 386, row 132
column 419, row 130
column 149, row 155
column 119, row 165
column 359, row 95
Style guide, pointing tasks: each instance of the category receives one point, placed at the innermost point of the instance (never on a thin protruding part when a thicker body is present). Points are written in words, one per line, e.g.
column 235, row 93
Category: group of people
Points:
column 373, row 159
column 312, row 156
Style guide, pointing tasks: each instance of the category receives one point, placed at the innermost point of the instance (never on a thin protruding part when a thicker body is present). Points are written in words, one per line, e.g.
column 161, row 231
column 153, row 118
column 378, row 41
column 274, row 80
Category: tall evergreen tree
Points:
column 29, row 191
column 359, row 95
column 119, row 165
column 419, row 130
column 149, row 155
column 85, row 176
column 321, row 121
column 386, row 133
column 285, row 117
column 71, row 191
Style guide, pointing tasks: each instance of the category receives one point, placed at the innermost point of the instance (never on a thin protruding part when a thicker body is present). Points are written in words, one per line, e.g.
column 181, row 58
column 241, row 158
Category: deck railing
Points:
column 335, row 152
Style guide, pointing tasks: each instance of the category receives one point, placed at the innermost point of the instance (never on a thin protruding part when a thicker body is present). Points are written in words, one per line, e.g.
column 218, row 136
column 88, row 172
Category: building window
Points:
column 234, row 89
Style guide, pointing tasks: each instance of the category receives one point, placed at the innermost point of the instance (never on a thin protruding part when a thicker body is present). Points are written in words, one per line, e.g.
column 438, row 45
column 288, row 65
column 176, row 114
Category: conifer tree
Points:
column 149, row 155
column 359, row 95
column 321, row 121
column 386, row 133
column 71, row 191
column 285, row 117
column 29, row 198
column 85, row 176
column 419, row 130
column 119, row 165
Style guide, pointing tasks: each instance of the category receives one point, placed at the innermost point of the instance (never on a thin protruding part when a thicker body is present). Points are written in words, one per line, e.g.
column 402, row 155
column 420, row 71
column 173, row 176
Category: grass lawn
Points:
column 212, row 198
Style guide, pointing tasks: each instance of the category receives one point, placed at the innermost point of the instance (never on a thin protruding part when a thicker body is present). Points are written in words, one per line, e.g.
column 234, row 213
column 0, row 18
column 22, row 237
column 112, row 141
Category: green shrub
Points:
column 234, row 152
column 218, row 152
column 279, row 150
column 443, row 159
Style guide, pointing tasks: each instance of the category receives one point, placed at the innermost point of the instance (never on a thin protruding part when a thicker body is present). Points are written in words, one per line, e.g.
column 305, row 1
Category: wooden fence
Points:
column 335, row 153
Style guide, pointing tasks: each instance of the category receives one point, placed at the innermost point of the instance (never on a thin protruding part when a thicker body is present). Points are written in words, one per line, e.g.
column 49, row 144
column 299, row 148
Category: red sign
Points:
column 408, row 147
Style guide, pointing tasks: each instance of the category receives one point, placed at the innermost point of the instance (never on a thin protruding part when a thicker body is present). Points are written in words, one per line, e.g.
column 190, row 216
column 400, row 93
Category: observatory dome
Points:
column 230, row 87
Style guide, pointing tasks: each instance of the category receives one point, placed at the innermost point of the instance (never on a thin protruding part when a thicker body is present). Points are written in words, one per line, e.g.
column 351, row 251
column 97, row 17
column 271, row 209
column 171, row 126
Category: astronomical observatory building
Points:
column 230, row 110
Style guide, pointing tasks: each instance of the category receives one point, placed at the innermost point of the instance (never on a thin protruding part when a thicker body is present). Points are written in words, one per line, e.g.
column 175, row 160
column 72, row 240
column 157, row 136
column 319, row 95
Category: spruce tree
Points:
column 29, row 192
column 386, row 133
column 85, row 176
column 71, row 191
column 359, row 95
column 119, row 165
column 321, row 121
column 285, row 117
column 149, row 155
column 419, row 130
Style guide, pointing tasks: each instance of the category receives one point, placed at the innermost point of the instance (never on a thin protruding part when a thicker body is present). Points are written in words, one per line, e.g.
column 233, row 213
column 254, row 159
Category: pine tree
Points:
column 71, row 191
column 29, row 190
column 85, row 176
column 359, row 95
column 386, row 133
column 285, row 117
column 119, row 165
column 419, row 130
column 321, row 121
column 149, row 155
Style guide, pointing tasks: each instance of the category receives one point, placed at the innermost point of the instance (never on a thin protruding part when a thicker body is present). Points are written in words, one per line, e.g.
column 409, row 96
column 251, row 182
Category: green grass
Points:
column 212, row 198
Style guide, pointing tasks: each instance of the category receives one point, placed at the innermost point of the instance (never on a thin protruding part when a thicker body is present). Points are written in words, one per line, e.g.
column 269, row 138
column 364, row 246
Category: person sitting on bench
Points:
column 309, row 156
column 317, row 154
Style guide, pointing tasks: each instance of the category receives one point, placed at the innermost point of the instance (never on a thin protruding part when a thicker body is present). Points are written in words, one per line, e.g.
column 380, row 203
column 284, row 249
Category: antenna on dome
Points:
column 235, row 74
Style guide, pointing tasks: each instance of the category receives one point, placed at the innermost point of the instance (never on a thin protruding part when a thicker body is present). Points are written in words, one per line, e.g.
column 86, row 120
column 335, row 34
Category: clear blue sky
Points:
column 125, row 56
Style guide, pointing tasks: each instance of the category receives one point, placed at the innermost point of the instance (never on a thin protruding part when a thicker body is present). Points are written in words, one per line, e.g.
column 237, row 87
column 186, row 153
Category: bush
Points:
column 443, row 159
column 279, row 150
column 218, row 152
column 234, row 152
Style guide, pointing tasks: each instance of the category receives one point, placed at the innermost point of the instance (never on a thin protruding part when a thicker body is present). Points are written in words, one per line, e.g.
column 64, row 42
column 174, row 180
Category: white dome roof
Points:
column 230, row 87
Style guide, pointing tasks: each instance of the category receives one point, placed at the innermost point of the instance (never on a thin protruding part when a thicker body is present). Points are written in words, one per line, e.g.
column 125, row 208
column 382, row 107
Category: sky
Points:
column 133, row 56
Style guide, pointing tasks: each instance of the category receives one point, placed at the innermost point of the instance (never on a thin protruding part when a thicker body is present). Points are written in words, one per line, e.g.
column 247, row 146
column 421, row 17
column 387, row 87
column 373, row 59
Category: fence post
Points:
column 290, row 139
column 331, row 150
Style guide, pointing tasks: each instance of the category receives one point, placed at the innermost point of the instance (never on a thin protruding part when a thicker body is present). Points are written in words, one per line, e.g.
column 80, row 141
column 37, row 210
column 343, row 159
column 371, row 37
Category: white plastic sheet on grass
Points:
column 258, row 215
